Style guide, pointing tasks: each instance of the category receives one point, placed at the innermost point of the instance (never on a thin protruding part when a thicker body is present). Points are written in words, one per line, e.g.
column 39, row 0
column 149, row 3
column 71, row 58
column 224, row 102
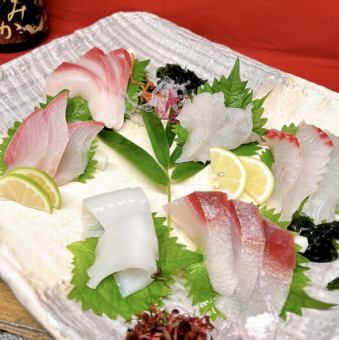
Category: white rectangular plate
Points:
column 35, row 262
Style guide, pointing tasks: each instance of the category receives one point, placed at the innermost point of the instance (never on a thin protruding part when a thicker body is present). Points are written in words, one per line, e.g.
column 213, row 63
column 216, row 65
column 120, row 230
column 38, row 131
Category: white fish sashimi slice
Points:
column 261, row 314
column 75, row 156
column 286, row 167
column 316, row 147
column 321, row 205
column 215, row 230
column 29, row 144
column 58, row 133
column 210, row 123
column 126, row 248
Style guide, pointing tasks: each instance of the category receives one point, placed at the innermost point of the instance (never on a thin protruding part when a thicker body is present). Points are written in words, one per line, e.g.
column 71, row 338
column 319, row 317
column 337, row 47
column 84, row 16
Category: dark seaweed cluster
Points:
column 321, row 237
column 181, row 76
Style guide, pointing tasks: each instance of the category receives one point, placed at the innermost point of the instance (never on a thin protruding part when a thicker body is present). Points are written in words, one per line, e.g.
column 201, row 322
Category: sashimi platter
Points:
column 148, row 200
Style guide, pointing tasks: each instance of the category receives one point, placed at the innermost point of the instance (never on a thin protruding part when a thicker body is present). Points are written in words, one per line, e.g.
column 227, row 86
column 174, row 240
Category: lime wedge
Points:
column 44, row 180
column 25, row 191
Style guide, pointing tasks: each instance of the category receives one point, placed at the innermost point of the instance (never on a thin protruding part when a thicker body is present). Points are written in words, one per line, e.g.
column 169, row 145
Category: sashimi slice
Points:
column 58, row 133
column 211, row 219
column 128, row 245
column 322, row 204
column 75, row 156
column 29, row 144
column 316, row 147
column 261, row 314
column 286, row 167
column 99, row 78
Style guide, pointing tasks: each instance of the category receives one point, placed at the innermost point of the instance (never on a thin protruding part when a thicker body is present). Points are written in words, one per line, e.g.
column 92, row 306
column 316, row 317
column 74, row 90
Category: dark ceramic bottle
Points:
column 23, row 24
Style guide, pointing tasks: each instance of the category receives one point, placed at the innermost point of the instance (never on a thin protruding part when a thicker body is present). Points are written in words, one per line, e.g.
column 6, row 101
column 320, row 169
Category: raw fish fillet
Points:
column 75, row 157
column 128, row 245
column 101, row 79
column 286, row 167
column 322, row 204
column 41, row 139
column 211, row 219
column 249, row 258
column 316, row 147
column 261, row 314
column 210, row 123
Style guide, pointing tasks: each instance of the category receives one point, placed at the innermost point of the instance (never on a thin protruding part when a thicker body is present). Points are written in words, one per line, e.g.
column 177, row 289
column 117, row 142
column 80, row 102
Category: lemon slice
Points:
column 259, row 180
column 25, row 191
column 247, row 198
column 44, row 180
column 228, row 172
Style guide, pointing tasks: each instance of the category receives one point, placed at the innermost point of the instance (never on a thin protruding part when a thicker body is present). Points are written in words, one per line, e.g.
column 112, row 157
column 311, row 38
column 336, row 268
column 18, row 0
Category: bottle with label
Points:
column 23, row 24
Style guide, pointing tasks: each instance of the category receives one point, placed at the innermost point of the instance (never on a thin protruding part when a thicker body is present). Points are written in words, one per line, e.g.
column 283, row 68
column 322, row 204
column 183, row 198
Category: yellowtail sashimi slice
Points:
column 25, row 191
column 44, row 180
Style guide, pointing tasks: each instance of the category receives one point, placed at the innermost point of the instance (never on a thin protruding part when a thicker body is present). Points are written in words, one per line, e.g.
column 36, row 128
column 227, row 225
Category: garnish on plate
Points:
column 334, row 284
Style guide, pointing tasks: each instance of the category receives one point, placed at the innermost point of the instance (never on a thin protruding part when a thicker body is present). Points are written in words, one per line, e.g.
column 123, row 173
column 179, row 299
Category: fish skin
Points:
column 75, row 157
column 316, row 147
column 99, row 78
column 322, row 204
column 286, row 167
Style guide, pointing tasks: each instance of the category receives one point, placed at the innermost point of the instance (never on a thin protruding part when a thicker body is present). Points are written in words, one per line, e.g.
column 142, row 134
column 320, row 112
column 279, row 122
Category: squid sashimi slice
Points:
column 210, row 123
column 211, row 220
column 75, row 157
column 261, row 314
column 316, row 147
column 126, row 249
column 58, row 133
column 322, row 204
column 287, row 164
column 29, row 144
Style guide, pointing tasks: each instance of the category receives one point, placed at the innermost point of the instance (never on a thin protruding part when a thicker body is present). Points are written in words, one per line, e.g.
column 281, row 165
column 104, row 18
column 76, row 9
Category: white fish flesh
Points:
column 75, row 156
column 322, row 204
column 210, row 218
column 128, row 245
column 316, row 147
column 286, row 167
column 210, row 123
column 101, row 79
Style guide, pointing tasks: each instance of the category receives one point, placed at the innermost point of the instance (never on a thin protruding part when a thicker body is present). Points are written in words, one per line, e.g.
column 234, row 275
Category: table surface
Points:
column 300, row 37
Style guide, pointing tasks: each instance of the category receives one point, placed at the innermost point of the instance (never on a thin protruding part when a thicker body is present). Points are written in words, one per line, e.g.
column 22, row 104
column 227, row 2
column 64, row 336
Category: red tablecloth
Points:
column 300, row 37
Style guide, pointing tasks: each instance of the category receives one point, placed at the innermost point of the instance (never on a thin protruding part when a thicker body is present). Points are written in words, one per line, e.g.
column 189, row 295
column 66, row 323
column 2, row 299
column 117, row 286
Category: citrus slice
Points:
column 44, row 180
column 25, row 191
column 228, row 172
column 245, row 197
column 259, row 180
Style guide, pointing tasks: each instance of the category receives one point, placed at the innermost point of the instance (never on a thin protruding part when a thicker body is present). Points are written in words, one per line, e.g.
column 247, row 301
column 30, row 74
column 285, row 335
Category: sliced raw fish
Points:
column 101, row 79
column 287, row 164
column 316, row 147
column 75, row 157
column 210, row 123
column 41, row 139
column 128, row 245
column 322, row 203
column 260, row 316
column 211, row 219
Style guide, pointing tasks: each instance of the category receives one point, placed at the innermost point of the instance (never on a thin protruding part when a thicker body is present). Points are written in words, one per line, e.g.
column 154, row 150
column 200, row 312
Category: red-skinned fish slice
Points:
column 75, row 157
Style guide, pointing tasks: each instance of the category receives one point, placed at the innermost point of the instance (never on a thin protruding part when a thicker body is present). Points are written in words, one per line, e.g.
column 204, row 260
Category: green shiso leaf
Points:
column 91, row 165
column 157, row 137
column 141, row 159
column 273, row 216
column 267, row 157
column 186, row 170
column 4, row 144
column 133, row 90
column 200, row 289
column 106, row 298
column 257, row 116
column 334, row 284
column 291, row 129
column 249, row 149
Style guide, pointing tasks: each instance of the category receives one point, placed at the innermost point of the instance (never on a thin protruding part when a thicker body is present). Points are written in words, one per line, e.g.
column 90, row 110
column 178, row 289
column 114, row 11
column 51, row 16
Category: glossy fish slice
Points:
column 75, row 157
column 322, row 204
column 211, row 220
column 286, row 167
column 316, row 147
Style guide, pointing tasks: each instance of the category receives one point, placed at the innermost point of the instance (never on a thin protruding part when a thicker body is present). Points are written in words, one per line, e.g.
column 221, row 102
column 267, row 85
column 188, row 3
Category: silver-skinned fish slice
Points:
column 316, row 147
